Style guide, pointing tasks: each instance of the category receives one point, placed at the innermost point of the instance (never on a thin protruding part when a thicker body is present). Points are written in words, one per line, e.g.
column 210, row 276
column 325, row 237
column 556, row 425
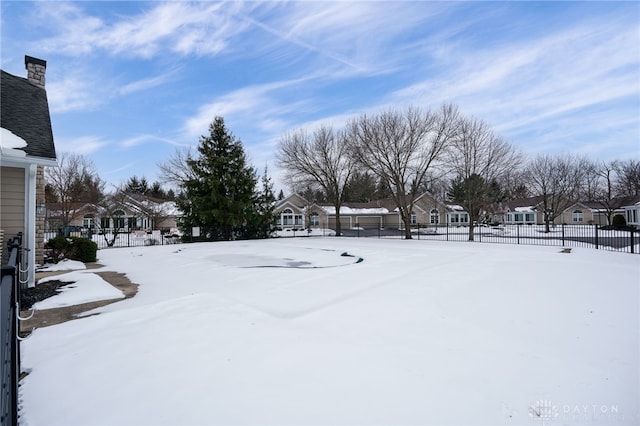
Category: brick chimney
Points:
column 36, row 69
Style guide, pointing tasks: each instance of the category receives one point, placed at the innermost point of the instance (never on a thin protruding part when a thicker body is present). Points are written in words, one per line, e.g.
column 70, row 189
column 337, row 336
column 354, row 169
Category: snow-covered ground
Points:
column 83, row 287
column 300, row 331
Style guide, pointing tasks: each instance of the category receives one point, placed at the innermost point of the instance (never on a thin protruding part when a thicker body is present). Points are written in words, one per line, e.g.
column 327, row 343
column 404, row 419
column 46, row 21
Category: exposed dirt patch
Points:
column 47, row 317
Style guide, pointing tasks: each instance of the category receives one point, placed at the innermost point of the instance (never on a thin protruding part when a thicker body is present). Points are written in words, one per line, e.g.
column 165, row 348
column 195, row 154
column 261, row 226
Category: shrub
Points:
column 619, row 222
column 83, row 250
column 58, row 248
column 74, row 248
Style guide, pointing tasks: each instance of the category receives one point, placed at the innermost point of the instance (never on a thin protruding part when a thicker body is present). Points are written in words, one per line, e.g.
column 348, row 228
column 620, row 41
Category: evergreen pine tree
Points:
column 219, row 197
column 473, row 194
column 263, row 220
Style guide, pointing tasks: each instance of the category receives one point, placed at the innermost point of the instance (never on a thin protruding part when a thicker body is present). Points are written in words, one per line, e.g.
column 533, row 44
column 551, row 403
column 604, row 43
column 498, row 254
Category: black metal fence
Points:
column 125, row 239
column 9, row 346
column 592, row 236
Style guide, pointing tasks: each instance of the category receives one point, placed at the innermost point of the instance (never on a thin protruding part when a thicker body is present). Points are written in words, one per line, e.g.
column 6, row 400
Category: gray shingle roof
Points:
column 24, row 110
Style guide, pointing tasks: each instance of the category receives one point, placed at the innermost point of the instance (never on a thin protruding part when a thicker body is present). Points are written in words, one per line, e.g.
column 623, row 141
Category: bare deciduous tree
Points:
column 111, row 209
column 628, row 178
column 598, row 185
column 557, row 180
column 73, row 182
column 176, row 170
column 319, row 159
column 481, row 158
column 400, row 148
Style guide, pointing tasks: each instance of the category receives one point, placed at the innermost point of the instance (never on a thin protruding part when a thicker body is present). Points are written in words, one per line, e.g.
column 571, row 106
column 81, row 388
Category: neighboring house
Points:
column 523, row 211
column 430, row 211
column 131, row 213
column 632, row 212
column 588, row 212
column 580, row 213
column 295, row 212
column 372, row 215
column 26, row 147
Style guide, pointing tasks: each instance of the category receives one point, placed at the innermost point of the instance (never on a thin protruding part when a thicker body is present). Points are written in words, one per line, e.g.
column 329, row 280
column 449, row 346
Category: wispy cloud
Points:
column 527, row 84
column 142, row 139
column 199, row 28
column 74, row 93
column 147, row 83
column 81, row 145
column 263, row 105
column 80, row 87
column 357, row 37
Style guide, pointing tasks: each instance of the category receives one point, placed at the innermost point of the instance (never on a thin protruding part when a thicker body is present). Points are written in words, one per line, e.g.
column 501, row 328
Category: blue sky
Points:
column 128, row 82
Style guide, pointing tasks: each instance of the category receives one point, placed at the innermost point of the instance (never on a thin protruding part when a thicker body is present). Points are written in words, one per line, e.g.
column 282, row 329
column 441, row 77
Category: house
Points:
column 377, row 214
column 580, row 213
column 590, row 212
column 291, row 212
column 523, row 211
column 26, row 147
column 295, row 212
column 430, row 211
column 631, row 210
column 125, row 212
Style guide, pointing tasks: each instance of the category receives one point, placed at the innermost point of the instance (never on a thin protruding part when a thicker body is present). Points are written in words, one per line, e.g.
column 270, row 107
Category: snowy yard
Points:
column 292, row 331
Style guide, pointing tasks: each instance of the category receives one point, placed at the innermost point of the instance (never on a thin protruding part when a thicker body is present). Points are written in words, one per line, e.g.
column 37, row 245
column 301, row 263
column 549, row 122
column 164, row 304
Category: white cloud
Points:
column 147, row 83
column 260, row 105
column 75, row 92
column 81, row 145
column 358, row 37
column 526, row 85
column 142, row 139
column 199, row 28
column 81, row 87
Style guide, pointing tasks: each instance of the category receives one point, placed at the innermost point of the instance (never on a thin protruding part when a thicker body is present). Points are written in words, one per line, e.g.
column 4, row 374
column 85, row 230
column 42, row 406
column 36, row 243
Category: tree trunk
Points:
column 338, row 224
column 407, row 226
column 471, row 231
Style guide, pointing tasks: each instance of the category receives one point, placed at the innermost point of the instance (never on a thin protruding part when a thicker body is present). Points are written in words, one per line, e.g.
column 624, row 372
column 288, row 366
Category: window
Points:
column 314, row 218
column 118, row 219
column 105, row 222
column 518, row 217
column 131, row 222
column 434, row 217
column 529, row 217
column 87, row 221
column 413, row 219
column 287, row 217
column 454, row 217
column 577, row 216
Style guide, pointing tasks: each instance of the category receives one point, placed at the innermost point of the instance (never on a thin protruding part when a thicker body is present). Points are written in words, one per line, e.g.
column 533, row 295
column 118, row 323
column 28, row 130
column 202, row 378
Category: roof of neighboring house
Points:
column 524, row 204
column 24, row 111
column 630, row 201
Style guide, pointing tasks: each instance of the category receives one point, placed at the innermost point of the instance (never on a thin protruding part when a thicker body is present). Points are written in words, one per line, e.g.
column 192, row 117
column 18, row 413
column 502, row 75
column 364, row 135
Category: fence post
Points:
column 632, row 242
column 563, row 234
column 597, row 245
column 518, row 234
